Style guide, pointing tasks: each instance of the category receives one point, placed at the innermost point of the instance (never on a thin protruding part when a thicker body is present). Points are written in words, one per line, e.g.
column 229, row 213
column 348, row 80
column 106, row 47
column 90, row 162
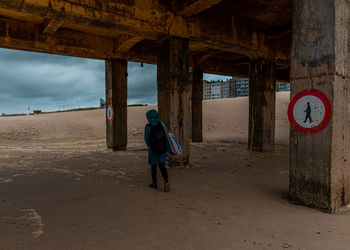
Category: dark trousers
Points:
column 162, row 170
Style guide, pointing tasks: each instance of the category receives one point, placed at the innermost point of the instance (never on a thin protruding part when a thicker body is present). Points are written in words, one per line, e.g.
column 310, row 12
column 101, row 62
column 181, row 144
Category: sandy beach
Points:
column 60, row 188
column 222, row 119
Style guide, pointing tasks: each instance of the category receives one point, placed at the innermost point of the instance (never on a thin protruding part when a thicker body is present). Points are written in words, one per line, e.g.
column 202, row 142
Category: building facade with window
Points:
column 281, row 86
column 235, row 87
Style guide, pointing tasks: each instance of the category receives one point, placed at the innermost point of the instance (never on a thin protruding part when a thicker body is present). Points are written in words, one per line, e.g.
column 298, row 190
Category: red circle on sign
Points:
column 327, row 115
column 109, row 117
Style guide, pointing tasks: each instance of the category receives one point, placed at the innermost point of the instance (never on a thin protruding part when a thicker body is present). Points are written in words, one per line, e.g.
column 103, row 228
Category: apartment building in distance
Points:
column 235, row 87
column 281, row 86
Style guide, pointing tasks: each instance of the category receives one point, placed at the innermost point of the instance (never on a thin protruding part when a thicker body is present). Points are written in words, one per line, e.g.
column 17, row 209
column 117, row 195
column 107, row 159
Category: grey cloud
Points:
column 142, row 83
column 211, row 77
column 48, row 82
column 18, row 56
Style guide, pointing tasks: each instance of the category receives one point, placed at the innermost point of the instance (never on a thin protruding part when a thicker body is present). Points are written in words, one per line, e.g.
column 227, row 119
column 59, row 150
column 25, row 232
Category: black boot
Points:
column 166, row 187
column 154, row 176
column 165, row 177
column 153, row 185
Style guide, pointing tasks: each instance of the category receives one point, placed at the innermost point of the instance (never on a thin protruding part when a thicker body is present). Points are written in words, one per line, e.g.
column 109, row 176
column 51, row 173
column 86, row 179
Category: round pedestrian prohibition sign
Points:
column 309, row 111
column 109, row 113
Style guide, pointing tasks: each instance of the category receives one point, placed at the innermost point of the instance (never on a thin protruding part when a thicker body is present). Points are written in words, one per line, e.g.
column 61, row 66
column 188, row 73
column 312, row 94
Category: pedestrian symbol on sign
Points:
column 109, row 113
column 309, row 111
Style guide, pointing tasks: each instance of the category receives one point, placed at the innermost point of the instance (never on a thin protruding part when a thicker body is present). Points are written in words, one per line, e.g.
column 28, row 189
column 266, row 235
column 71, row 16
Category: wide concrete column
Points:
column 320, row 163
column 262, row 100
column 174, row 93
column 197, row 101
column 116, row 97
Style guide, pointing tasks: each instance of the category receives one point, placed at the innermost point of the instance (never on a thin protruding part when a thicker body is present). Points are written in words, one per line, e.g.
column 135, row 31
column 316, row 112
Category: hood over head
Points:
column 152, row 117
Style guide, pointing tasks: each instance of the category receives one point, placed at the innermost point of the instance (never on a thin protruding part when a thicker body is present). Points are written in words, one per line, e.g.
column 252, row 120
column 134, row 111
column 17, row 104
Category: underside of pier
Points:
column 186, row 38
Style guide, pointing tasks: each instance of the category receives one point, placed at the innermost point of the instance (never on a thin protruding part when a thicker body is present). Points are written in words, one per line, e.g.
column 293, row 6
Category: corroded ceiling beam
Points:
column 16, row 34
column 52, row 22
column 196, row 7
column 147, row 19
column 204, row 56
column 50, row 26
column 28, row 36
column 241, row 61
column 126, row 42
column 221, row 67
column 283, row 75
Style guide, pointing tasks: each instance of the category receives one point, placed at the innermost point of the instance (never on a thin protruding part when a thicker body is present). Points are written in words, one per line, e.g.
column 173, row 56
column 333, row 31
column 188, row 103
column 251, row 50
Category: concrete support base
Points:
column 174, row 93
column 116, row 97
column 262, row 101
column 197, row 102
column 320, row 163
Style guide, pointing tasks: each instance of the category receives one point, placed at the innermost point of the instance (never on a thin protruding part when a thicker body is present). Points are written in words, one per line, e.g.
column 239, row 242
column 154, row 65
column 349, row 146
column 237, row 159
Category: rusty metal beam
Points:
column 52, row 21
column 283, row 75
column 199, row 58
column 241, row 61
column 16, row 34
column 197, row 7
column 149, row 22
column 126, row 42
column 220, row 67
column 50, row 26
column 28, row 36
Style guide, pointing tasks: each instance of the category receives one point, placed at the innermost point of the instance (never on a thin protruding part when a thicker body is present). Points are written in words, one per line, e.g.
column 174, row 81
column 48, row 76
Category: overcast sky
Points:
column 52, row 82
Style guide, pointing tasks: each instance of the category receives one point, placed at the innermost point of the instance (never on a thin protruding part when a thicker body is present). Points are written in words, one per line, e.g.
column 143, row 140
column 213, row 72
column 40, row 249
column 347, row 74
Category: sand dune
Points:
column 228, row 118
column 222, row 119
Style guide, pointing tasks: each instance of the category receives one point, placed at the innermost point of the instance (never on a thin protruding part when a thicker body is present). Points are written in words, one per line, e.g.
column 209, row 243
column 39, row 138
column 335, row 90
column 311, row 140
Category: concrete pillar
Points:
column 116, row 97
column 262, row 99
column 197, row 100
column 320, row 163
column 174, row 93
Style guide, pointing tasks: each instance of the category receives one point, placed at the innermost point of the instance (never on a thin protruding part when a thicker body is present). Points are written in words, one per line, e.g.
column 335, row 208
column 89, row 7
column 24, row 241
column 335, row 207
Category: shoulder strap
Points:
column 163, row 125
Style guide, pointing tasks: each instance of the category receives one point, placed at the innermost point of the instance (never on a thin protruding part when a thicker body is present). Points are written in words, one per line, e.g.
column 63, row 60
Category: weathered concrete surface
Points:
column 319, row 163
column 197, row 103
column 116, row 96
column 112, row 29
column 262, row 100
column 174, row 93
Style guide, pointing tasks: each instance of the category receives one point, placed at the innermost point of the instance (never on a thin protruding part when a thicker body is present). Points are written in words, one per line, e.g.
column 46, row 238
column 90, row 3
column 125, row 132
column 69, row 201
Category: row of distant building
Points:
column 35, row 112
column 235, row 87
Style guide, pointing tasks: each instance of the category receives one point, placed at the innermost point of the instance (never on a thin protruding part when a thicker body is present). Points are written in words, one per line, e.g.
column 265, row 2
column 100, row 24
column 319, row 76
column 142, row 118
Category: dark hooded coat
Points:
column 152, row 117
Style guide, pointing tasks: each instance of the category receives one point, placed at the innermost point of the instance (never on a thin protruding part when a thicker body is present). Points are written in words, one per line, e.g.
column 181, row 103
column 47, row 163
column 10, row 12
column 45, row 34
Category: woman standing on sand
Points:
column 155, row 139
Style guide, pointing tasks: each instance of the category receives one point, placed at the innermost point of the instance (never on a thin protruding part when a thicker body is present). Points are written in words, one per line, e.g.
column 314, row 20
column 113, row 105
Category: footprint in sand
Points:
column 32, row 216
column 3, row 180
column 28, row 217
